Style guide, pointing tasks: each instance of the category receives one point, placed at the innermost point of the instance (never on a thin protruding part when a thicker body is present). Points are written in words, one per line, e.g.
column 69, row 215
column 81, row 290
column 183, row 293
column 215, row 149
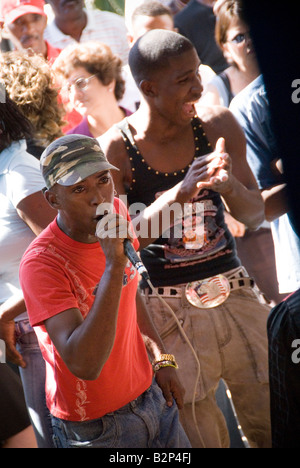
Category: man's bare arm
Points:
column 240, row 190
column 276, row 202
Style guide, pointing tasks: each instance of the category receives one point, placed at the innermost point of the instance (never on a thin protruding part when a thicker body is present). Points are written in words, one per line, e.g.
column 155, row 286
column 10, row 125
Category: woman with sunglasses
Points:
column 255, row 248
column 232, row 35
column 92, row 77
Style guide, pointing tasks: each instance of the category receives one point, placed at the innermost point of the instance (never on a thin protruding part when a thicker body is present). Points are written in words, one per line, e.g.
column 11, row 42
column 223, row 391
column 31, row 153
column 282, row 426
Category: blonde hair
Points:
column 29, row 83
column 97, row 59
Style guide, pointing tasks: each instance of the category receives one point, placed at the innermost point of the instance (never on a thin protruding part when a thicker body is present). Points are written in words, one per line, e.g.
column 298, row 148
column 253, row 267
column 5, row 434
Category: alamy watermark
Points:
column 176, row 222
column 296, row 353
column 296, row 94
column 2, row 352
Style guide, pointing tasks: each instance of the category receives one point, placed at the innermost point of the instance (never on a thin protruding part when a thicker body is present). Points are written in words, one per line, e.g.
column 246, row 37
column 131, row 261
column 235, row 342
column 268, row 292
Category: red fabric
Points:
column 52, row 53
column 11, row 10
column 57, row 274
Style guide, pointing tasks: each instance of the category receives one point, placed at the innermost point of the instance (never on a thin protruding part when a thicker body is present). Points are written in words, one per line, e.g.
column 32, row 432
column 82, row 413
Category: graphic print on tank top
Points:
column 184, row 242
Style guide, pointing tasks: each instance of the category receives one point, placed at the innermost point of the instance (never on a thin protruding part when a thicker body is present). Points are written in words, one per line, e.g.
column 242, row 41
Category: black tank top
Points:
column 173, row 259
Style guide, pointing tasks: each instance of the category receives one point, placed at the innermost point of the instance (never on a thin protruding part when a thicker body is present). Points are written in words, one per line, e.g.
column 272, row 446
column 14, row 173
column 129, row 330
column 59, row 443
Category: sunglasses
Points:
column 81, row 83
column 239, row 38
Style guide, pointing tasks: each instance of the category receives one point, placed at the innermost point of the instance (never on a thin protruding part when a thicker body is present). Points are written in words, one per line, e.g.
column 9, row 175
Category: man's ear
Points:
column 148, row 88
column 52, row 198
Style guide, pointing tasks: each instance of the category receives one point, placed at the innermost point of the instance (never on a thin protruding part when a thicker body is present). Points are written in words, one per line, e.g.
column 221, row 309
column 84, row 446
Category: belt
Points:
column 240, row 279
column 208, row 292
column 175, row 291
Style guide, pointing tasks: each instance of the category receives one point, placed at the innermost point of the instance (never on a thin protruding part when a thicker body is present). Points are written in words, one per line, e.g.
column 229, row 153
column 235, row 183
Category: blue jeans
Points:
column 33, row 380
column 146, row 422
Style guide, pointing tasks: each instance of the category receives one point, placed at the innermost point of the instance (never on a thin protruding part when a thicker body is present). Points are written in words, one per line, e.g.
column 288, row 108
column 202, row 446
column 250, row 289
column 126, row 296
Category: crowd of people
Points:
column 164, row 109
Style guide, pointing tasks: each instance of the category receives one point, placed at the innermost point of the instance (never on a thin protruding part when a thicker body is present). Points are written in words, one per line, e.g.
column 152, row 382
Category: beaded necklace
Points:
column 127, row 135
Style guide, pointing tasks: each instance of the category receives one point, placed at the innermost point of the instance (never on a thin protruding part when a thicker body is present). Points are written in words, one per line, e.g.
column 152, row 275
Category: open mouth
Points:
column 189, row 108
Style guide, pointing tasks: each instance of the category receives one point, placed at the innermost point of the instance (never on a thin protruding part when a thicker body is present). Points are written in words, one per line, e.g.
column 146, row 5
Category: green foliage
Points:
column 116, row 6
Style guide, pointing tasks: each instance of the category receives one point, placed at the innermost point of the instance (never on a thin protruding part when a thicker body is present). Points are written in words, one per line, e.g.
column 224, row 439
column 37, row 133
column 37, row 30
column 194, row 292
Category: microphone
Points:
column 135, row 260
column 129, row 250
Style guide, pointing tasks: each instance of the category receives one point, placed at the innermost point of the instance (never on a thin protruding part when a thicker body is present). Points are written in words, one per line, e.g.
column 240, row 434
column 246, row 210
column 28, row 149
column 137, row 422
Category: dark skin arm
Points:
column 36, row 212
column 10, row 309
column 276, row 197
column 276, row 202
column 240, row 191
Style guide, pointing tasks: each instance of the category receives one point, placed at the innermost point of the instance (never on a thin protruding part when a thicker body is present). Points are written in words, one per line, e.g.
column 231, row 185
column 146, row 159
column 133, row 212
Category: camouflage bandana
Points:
column 71, row 159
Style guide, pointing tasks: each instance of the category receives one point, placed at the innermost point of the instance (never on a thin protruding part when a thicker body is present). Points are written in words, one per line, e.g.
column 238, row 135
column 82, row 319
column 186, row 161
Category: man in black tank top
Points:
column 169, row 156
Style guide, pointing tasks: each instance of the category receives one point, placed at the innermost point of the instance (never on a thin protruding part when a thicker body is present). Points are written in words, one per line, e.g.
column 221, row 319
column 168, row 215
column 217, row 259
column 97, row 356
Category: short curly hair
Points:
column 97, row 59
column 29, row 83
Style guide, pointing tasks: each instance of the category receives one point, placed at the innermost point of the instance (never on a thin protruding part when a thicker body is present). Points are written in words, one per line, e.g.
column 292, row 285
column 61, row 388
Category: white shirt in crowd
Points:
column 20, row 177
column 102, row 26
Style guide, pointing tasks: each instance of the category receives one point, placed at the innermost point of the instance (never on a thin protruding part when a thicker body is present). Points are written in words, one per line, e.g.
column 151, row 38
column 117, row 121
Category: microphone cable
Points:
column 132, row 255
column 184, row 335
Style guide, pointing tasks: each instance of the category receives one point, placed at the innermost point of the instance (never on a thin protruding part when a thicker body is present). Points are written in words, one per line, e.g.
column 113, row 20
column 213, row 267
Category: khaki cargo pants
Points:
column 231, row 343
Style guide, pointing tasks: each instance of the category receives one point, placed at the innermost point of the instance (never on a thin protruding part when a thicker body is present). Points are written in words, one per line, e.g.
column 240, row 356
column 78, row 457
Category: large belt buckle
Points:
column 209, row 292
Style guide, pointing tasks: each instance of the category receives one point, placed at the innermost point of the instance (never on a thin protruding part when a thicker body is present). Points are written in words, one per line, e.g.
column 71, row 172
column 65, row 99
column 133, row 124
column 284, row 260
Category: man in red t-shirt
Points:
column 25, row 22
column 81, row 295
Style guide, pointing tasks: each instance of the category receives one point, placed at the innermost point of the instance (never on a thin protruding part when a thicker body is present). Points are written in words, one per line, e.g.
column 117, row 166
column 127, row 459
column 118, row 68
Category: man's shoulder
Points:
column 219, row 122
column 49, row 248
column 112, row 139
column 215, row 116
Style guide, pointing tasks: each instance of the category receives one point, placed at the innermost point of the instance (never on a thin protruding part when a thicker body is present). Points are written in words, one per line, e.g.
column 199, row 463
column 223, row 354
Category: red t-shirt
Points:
column 52, row 53
column 57, row 274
